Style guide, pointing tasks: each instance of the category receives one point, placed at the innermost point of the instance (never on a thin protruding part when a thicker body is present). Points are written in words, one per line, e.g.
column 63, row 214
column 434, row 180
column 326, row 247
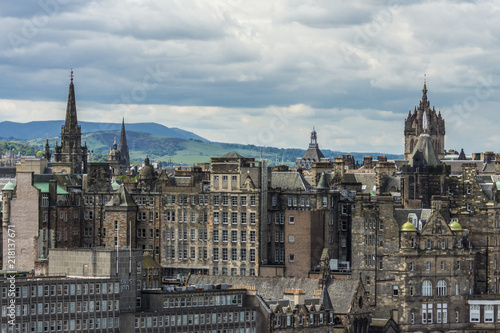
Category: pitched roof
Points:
column 233, row 155
column 289, row 181
column 424, row 146
column 121, row 198
column 341, row 294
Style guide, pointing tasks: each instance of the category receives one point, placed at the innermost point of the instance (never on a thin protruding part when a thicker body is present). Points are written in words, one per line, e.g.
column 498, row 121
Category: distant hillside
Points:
column 177, row 150
column 52, row 128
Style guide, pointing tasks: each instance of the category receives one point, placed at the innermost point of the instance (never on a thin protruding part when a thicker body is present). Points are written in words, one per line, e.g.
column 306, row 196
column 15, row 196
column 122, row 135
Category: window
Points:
column 243, row 236
column 252, row 218
column 429, row 244
column 443, row 265
column 216, row 254
column 395, row 290
column 224, row 200
column 428, row 265
column 243, row 255
column 234, row 236
column 243, row 200
column 291, row 238
column 426, row 313
column 412, row 318
column 291, row 219
column 426, row 288
column 224, row 235
column 234, row 218
column 274, row 200
column 475, row 313
column 216, row 217
column 243, row 218
column 234, row 178
column 441, row 288
column 252, row 236
column 252, row 200
column 252, row 259
column 325, row 201
column 442, row 313
column 488, row 313
column 224, row 254
column 412, row 266
column 291, row 257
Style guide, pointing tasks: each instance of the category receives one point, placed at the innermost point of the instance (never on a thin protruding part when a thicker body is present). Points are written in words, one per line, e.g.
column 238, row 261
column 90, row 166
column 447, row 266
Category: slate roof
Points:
column 122, row 198
column 269, row 288
column 289, row 181
column 368, row 179
column 456, row 165
column 314, row 154
column 233, row 155
column 401, row 215
column 424, row 145
column 341, row 294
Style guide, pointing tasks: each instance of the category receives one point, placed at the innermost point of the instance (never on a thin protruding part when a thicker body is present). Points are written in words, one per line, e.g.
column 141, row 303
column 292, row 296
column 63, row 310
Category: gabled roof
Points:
column 289, row 181
column 342, row 293
column 233, row 155
column 121, row 199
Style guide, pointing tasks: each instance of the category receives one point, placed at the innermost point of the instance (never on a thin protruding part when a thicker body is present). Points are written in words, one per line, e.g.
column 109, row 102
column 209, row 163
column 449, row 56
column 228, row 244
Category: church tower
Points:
column 70, row 157
column 123, row 147
column 424, row 119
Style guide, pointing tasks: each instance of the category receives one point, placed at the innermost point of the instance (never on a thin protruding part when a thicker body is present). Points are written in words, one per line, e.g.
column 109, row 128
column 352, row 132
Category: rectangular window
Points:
column 252, row 200
column 488, row 313
column 475, row 313
column 395, row 290
column 291, row 220
column 274, row 200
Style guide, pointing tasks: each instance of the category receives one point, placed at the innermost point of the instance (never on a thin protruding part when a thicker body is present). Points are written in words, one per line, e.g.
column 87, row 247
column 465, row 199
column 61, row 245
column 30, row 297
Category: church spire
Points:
column 424, row 91
column 123, row 147
column 71, row 119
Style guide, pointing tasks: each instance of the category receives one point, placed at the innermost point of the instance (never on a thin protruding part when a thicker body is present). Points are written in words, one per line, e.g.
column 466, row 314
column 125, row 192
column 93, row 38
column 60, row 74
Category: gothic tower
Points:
column 70, row 157
column 424, row 119
column 123, row 147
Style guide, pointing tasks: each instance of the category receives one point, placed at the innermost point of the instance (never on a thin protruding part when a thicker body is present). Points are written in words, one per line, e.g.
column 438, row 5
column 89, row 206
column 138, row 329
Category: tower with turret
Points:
column 424, row 119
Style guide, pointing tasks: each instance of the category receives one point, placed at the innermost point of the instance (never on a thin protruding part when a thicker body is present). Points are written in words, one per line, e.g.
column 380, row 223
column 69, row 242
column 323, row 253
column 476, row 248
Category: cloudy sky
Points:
column 262, row 71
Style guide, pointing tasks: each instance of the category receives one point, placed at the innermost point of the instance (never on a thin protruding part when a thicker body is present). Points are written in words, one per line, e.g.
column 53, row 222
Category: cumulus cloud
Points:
column 231, row 70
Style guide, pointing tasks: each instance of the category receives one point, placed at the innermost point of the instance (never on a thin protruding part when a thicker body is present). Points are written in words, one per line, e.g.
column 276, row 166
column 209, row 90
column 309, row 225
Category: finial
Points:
column 425, row 78
column 71, row 75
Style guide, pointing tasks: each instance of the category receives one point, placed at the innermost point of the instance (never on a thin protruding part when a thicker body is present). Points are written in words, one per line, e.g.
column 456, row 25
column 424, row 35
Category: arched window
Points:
column 441, row 288
column 426, row 288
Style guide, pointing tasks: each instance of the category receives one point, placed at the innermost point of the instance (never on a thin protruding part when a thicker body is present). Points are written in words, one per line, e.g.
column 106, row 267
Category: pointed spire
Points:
column 424, row 91
column 71, row 119
column 123, row 146
column 462, row 157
